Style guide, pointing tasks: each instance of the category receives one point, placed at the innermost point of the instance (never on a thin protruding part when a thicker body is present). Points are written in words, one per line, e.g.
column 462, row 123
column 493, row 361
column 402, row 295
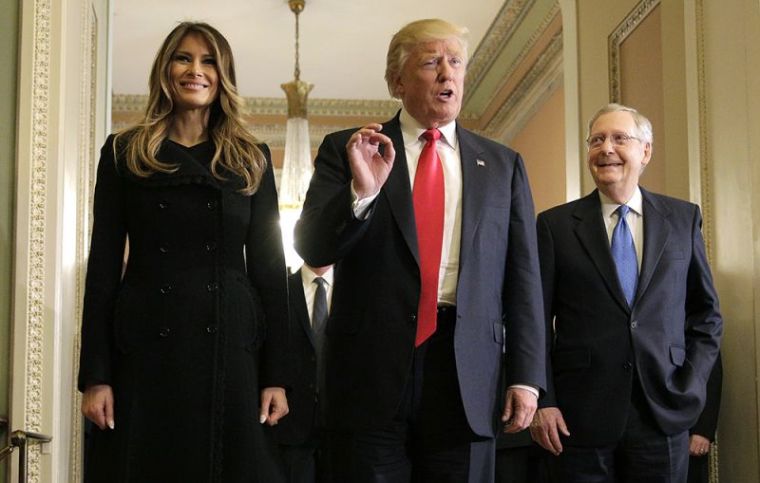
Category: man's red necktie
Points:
column 428, row 194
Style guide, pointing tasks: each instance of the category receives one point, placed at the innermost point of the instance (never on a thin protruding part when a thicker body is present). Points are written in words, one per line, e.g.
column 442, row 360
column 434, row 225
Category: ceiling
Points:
column 343, row 43
column 515, row 57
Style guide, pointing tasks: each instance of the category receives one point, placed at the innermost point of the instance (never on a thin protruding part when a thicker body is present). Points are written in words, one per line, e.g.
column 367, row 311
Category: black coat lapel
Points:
column 593, row 237
column 189, row 169
column 656, row 234
column 398, row 190
column 474, row 178
column 298, row 308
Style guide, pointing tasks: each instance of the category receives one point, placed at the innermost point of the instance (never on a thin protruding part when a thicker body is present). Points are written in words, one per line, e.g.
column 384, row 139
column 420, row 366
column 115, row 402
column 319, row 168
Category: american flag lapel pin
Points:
column 480, row 162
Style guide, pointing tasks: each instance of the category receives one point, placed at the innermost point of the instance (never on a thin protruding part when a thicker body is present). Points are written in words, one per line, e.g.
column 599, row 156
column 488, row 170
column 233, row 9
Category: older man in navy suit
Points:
column 434, row 230
column 635, row 318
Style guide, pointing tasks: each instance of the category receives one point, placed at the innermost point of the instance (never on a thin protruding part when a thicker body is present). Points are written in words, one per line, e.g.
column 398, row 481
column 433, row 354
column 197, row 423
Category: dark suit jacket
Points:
column 669, row 338
column 298, row 426
column 372, row 324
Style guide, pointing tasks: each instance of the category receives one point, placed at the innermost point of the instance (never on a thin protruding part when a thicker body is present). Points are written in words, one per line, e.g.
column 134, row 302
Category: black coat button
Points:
column 166, row 288
column 211, row 329
column 164, row 248
column 634, row 324
column 212, row 287
column 628, row 366
column 412, row 317
column 164, row 332
column 163, row 205
column 210, row 246
column 211, row 205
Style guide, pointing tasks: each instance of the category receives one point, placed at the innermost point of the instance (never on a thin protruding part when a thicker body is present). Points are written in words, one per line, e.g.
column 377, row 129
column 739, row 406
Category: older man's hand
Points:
column 369, row 167
column 545, row 429
column 519, row 407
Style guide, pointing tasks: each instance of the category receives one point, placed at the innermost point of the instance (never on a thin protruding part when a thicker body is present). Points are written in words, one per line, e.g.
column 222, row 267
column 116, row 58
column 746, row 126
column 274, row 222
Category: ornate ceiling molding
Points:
column 544, row 76
column 496, row 38
column 476, row 76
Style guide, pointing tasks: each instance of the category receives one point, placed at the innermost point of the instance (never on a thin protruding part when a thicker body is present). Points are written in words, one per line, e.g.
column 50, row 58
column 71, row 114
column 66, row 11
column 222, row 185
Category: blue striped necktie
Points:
column 624, row 255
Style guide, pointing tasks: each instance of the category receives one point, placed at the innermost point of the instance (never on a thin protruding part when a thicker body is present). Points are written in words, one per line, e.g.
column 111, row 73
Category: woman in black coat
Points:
column 178, row 340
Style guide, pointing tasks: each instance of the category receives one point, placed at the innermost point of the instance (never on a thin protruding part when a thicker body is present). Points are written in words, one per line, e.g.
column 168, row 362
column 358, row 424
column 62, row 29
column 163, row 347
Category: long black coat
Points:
column 179, row 334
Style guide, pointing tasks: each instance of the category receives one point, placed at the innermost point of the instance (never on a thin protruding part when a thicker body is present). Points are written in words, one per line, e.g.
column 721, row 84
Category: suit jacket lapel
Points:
column 299, row 310
column 398, row 190
column 593, row 237
column 474, row 177
column 656, row 234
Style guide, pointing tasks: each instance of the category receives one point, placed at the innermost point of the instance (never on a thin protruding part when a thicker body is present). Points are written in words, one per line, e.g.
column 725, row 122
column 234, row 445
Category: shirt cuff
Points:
column 361, row 207
column 531, row 389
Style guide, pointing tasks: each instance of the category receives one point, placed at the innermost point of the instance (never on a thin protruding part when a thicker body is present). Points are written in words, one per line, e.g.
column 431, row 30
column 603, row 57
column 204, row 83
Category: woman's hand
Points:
column 274, row 405
column 97, row 405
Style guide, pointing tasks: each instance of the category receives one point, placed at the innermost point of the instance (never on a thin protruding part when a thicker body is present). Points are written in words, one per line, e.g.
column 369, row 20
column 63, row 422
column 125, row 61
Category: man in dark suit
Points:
column 299, row 437
column 635, row 318
column 436, row 241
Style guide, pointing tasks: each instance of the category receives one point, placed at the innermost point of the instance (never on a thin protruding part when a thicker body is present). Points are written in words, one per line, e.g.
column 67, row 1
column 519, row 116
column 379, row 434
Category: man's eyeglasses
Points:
column 618, row 139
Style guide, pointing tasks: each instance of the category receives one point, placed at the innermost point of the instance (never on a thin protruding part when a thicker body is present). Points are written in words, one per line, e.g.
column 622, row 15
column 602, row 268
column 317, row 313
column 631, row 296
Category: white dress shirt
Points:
column 635, row 220
column 448, row 152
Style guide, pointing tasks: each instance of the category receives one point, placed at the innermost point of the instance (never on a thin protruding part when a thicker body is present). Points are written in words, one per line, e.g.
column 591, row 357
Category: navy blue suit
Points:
column 606, row 358
column 372, row 324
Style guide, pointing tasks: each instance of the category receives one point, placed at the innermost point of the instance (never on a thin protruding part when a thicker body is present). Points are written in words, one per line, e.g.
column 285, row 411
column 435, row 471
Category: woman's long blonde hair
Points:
column 236, row 147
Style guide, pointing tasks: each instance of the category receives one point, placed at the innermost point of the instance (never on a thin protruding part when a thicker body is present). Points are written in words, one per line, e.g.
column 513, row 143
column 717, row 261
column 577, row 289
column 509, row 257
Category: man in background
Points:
column 300, row 437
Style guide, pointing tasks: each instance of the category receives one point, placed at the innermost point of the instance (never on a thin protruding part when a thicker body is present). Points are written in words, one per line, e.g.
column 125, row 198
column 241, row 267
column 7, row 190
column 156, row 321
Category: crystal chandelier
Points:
column 297, row 165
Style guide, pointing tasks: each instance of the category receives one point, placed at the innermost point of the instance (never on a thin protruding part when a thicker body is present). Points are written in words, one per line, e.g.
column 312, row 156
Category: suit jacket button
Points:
column 210, row 246
column 163, row 205
column 412, row 317
column 166, row 288
column 634, row 324
column 212, row 287
column 211, row 329
column 211, row 205
column 627, row 366
column 164, row 332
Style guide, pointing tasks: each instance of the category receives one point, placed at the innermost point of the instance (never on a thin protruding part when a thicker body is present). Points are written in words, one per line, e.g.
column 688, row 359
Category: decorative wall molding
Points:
column 704, row 152
column 326, row 107
column 126, row 109
column 85, row 181
column 36, row 275
column 618, row 36
column 262, row 106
